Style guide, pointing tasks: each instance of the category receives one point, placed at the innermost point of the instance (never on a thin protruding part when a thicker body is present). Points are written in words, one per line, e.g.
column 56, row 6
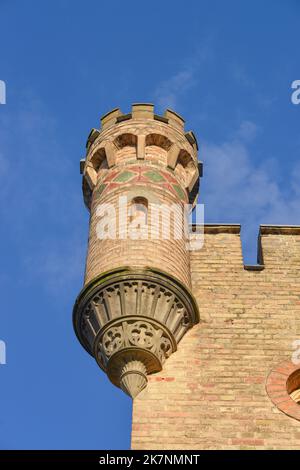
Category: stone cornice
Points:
column 279, row 230
column 263, row 229
column 219, row 228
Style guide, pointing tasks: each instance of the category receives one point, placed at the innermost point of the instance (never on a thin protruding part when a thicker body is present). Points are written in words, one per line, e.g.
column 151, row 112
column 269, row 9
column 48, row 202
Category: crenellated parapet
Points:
column 139, row 132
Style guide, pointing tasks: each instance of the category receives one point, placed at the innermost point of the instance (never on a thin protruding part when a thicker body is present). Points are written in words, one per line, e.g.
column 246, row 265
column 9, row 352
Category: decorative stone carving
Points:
column 140, row 334
column 133, row 378
column 133, row 317
column 132, row 338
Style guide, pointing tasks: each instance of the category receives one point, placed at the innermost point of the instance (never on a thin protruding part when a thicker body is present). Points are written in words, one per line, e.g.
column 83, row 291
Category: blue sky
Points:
column 227, row 67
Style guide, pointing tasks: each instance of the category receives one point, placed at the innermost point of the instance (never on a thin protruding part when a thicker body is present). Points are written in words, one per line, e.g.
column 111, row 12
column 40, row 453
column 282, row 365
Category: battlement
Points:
column 278, row 247
column 279, row 229
column 142, row 111
column 142, row 137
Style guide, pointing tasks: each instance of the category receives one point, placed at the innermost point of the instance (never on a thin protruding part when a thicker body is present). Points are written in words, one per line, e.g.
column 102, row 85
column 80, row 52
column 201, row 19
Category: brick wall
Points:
column 212, row 393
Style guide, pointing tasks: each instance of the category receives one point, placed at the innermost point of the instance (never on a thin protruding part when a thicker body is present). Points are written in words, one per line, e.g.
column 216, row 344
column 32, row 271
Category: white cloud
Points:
column 169, row 92
column 236, row 189
column 242, row 77
column 247, row 131
column 59, row 264
column 41, row 202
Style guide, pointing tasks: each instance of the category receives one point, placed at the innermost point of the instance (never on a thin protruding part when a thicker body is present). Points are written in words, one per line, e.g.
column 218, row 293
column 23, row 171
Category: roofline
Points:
column 264, row 229
column 218, row 228
column 279, row 229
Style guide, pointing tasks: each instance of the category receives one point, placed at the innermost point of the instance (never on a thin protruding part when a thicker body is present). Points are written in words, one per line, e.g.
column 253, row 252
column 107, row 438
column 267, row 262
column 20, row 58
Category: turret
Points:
column 140, row 179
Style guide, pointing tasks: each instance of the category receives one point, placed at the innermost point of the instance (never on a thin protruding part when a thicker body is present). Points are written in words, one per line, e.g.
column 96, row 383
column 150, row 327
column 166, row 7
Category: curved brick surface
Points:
column 140, row 157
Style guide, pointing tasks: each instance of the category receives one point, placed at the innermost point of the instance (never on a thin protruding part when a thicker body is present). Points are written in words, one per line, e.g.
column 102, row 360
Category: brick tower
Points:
column 136, row 305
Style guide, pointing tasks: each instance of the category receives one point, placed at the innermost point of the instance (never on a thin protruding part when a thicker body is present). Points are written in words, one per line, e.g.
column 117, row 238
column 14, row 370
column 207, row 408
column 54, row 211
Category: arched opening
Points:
column 98, row 160
column 159, row 140
column 126, row 145
column 125, row 140
column 138, row 218
column 185, row 167
column 293, row 386
column 156, row 148
column 139, row 210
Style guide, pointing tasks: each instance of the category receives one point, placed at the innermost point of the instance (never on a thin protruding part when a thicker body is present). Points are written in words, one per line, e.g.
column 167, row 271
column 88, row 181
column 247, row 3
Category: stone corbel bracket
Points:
column 131, row 321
